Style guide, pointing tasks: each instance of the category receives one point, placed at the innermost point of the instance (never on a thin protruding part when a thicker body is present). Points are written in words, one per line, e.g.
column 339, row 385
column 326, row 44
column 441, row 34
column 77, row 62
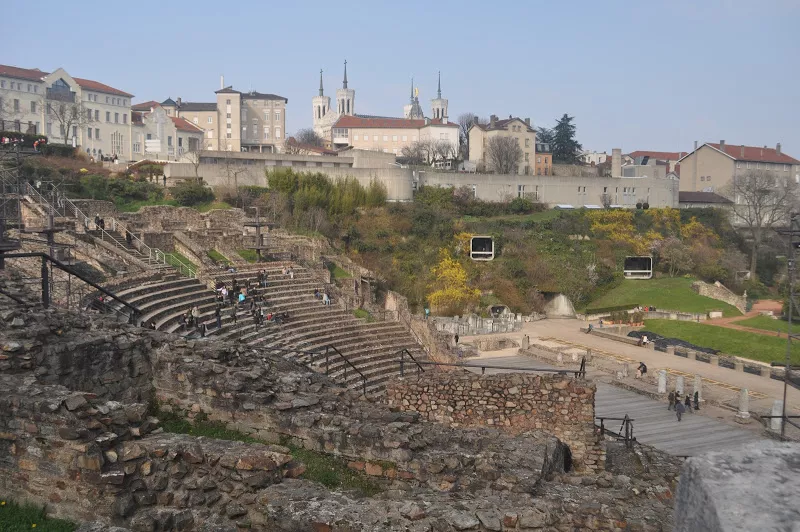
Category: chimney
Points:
column 722, row 146
column 510, row 117
column 778, row 148
column 475, row 120
column 528, row 122
column 221, row 82
column 616, row 162
column 178, row 101
column 492, row 120
column 741, row 152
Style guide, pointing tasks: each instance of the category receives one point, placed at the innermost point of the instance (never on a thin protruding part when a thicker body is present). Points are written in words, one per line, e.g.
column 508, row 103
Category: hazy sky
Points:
column 636, row 75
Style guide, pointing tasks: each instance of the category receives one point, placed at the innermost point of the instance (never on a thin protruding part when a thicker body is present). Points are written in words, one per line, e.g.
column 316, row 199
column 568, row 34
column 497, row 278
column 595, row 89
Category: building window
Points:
column 405, row 138
column 527, row 143
column 702, row 178
column 16, row 105
column 758, row 166
column 748, row 165
column 277, row 132
column 355, row 137
column 89, row 132
column 266, row 132
column 107, row 99
column 385, row 138
column 116, row 118
column 89, row 115
column 738, row 164
column 29, row 87
column 394, row 138
column 785, row 167
column 538, row 159
column 277, row 116
column 228, row 116
column 375, row 138
column 210, row 120
column 180, row 142
column 74, row 131
column 2, row 84
column 211, row 134
column 108, row 116
column 526, row 157
column 228, row 102
column 97, row 133
column 169, row 141
column 33, row 107
column 195, row 120
column 708, row 178
column 97, row 115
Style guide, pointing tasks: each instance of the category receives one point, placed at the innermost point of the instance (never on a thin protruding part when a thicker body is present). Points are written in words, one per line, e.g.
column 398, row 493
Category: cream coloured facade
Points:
column 479, row 136
column 163, row 137
column 236, row 121
column 391, row 135
column 92, row 115
column 712, row 167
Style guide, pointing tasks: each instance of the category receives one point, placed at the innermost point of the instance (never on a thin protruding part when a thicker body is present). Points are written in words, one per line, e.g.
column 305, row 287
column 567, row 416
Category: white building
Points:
column 83, row 112
column 159, row 136
column 594, row 157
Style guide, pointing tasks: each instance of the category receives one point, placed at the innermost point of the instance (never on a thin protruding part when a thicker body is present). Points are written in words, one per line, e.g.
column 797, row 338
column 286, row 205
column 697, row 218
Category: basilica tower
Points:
column 439, row 104
column 345, row 98
column 321, row 106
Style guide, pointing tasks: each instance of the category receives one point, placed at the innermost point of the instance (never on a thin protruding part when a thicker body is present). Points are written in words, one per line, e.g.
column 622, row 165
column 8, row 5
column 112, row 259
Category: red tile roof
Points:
column 100, row 87
column 387, row 123
column 754, row 153
column 31, row 74
column 145, row 106
column 34, row 74
column 659, row 155
column 185, row 125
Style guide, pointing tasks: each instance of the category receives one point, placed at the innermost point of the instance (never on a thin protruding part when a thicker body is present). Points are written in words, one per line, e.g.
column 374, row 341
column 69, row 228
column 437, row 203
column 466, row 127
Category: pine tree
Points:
column 565, row 148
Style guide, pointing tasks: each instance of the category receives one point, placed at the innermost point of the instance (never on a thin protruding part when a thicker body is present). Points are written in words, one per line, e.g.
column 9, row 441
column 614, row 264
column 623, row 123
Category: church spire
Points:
column 344, row 84
column 438, row 92
column 320, row 83
column 412, row 89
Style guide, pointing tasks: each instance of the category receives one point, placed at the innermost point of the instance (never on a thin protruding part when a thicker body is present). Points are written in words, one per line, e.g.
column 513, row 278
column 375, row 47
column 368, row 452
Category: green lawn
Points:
column 174, row 258
column 249, row 255
column 205, row 207
column 326, row 469
column 19, row 518
column 729, row 341
column 337, row 272
column 768, row 324
column 134, row 206
column 668, row 293
column 216, row 256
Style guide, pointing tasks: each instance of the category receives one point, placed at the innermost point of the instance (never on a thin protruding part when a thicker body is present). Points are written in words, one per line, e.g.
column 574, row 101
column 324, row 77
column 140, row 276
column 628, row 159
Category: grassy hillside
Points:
column 668, row 293
column 729, row 341
column 768, row 324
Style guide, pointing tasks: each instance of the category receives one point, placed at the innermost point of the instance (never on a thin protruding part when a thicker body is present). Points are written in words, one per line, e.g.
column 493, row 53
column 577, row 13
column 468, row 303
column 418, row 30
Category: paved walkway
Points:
column 569, row 330
column 653, row 424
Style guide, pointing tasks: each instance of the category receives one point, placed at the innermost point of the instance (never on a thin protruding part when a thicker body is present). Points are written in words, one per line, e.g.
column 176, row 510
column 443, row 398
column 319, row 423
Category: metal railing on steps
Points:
column 150, row 254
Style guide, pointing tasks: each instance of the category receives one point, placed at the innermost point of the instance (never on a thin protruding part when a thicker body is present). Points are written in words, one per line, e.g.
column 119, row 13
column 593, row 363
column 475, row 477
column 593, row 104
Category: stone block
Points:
column 739, row 490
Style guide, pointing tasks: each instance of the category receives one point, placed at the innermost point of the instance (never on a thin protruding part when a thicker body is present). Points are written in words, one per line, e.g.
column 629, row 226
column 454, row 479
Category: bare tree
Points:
column 419, row 152
column 676, row 255
column 9, row 114
column 503, row 154
column 308, row 137
column 761, row 201
column 443, row 151
column 70, row 117
column 466, row 121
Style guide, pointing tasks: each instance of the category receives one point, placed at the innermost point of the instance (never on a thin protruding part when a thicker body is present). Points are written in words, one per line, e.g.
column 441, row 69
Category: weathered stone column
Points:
column 743, row 416
column 625, row 371
column 560, row 359
column 698, row 387
column 679, row 383
column 670, row 350
column 662, row 381
column 776, row 422
column 526, row 341
column 691, row 354
column 714, row 360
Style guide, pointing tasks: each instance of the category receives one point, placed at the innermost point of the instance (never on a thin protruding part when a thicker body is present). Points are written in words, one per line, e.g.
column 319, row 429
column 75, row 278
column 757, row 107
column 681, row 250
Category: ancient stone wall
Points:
column 270, row 398
column 720, row 293
column 89, row 459
column 515, row 403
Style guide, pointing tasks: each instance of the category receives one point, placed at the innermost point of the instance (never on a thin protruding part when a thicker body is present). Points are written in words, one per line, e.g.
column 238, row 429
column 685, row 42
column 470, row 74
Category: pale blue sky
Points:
column 635, row 74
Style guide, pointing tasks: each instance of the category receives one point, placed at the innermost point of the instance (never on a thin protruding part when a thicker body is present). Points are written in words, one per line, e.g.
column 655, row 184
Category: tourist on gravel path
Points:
column 679, row 409
column 326, row 300
column 641, row 371
column 696, row 400
column 671, row 398
column 688, row 403
column 456, row 338
column 218, row 316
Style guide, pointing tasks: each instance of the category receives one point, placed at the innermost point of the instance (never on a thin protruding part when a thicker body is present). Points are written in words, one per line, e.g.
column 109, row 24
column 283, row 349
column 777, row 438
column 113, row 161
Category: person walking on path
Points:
column 688, row 403
column 679, row 409
column 671, row 398
column 456, row 338
column 641, row 371
column 218, row 316
column 696, row 400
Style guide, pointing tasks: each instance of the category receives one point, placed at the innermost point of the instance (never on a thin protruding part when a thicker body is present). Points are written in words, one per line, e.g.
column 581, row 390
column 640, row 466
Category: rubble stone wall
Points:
column 272, row 399
column 720, row 293
column 515, row 403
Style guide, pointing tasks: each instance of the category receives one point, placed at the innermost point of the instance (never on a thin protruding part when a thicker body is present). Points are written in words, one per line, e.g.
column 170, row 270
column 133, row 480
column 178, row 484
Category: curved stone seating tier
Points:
column 312, row 327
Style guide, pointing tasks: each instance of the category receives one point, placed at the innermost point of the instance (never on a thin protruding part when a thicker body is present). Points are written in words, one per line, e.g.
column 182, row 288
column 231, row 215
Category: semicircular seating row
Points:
column 312, row 327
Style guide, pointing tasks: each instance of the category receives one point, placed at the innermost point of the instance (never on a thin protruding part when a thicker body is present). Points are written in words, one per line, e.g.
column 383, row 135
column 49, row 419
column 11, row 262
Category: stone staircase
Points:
column 118, row 240
column 360, row 355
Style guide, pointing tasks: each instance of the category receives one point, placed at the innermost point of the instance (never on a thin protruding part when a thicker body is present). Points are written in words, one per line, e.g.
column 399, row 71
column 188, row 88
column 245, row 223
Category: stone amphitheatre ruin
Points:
column 81, row 392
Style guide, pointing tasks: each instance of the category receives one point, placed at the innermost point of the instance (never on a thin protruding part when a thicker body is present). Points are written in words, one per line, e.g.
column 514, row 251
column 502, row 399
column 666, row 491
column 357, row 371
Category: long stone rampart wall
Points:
column 516, row 403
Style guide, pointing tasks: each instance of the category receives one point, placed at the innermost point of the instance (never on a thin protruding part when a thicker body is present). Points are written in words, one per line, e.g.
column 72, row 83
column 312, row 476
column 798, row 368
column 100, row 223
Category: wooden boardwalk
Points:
column 653, row 424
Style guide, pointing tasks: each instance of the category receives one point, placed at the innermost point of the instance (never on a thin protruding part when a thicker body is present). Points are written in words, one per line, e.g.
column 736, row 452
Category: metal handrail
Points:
column 403, row 352
column 327, row 363
column 484, row 367
column 413, row 333
column 627, row 424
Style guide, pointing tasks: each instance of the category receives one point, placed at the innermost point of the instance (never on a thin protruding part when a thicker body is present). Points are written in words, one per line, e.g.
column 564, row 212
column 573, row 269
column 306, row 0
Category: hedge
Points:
column 59, row 150
column 602, row 310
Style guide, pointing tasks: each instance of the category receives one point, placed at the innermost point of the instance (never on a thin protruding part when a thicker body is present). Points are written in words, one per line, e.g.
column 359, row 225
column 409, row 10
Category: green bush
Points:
column 190, row 193
column 58, row 150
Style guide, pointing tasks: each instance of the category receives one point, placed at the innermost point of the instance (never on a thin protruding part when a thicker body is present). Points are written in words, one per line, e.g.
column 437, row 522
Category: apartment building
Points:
column 82, row 112
column 157, row 135
column 669, row 158
column 544, row 159
column 236, row 121
column 479, row 136
column 391, row 135
column 712, row 167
